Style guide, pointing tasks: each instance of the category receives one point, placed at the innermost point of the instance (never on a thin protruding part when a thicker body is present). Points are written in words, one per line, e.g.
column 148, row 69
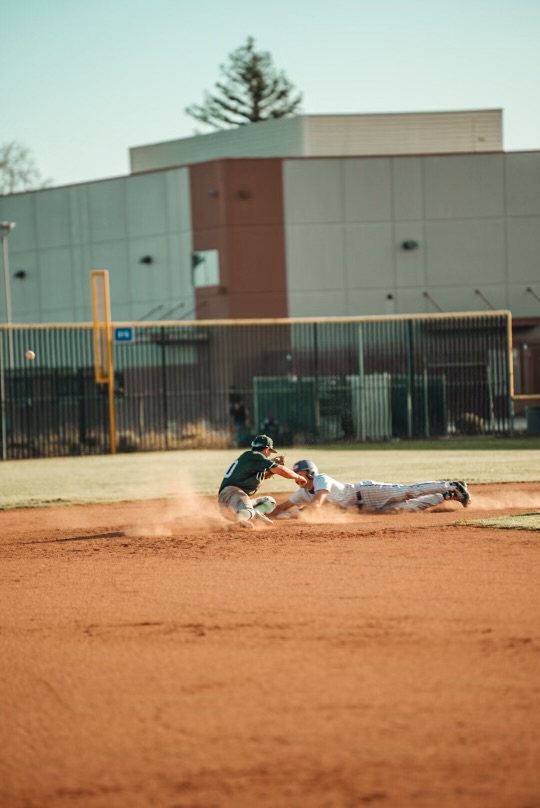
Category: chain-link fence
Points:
column 190, row 385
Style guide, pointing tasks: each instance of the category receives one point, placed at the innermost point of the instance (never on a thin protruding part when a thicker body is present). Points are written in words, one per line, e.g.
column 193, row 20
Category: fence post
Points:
column 103, row 342
column 410, row 377
column 3, row 399
column 165, row 388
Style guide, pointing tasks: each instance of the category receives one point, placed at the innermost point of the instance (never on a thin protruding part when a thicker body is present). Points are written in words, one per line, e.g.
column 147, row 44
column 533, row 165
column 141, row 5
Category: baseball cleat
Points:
column 461, row 493
column 240, row 526
column 264, row 504
column 262, row 518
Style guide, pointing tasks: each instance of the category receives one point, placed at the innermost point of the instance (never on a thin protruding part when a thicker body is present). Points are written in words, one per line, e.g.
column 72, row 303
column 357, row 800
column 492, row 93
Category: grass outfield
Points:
column 124, row 477
column 522, row 521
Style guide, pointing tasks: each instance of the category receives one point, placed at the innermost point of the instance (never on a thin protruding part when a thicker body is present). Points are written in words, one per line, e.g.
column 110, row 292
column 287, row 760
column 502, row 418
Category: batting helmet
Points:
column 306, row 465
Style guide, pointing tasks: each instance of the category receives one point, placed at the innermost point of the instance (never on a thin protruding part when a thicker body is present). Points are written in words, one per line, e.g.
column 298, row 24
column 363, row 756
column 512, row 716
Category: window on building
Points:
column 205, row 267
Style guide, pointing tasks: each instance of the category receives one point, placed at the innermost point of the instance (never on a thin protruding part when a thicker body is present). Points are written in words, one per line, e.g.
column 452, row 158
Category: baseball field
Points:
column 150, row 657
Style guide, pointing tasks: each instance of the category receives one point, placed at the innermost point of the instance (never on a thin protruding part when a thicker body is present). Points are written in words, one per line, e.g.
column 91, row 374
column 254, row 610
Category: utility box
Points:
column 533, row 420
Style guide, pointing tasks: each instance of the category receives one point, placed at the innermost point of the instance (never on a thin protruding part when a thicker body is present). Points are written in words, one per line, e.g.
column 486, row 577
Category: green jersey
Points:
column 247, row 472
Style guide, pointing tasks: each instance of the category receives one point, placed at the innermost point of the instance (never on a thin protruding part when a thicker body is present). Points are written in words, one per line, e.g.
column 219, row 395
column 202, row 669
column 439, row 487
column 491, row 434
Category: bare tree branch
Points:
column 18, row 171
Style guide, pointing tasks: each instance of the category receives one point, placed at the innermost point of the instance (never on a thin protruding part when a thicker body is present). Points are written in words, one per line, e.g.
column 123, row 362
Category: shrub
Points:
column 203, row 436
column 198, row 435
column 127, row 442
column 469, row 423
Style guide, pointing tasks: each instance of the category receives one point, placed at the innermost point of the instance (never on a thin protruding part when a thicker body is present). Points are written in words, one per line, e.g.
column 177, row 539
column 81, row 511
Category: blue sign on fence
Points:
column 123, row 334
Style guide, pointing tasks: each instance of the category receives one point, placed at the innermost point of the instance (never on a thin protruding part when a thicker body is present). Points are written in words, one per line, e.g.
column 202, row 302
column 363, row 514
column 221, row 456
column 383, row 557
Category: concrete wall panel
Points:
column 524, row 301
column 310, row 303
column 370, row 256
column 410, row 264
column 113, row 256
column 315, row 258
column 313, row 191
column 53, row 221
column 178, row 205
column 524, row 249
column 107, row 212
column 523, row 184
column 457, row 187
column 408, row 189
column 56, row 279
column 465, row 252
column 21, row 209
column 146, row 205
column 25, row 292
column 62, row 234
column 367, row 190
column 362, row 302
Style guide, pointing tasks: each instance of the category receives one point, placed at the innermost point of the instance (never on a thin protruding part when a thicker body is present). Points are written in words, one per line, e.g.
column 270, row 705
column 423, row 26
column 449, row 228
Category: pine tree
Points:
column 251, row 90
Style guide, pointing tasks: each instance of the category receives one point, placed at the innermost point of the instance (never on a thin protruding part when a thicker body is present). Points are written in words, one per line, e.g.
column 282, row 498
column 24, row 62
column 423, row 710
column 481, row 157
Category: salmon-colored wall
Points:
column 237, row 209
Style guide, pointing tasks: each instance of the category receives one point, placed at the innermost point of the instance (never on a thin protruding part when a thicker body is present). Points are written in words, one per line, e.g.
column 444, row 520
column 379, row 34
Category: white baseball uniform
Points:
column 374, row 496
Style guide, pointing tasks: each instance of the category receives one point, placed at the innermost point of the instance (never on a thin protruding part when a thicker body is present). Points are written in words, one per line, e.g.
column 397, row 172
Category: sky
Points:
column 85, row 81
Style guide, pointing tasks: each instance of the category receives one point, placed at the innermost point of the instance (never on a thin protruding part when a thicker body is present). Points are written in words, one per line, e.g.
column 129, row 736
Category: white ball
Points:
column 30, row 355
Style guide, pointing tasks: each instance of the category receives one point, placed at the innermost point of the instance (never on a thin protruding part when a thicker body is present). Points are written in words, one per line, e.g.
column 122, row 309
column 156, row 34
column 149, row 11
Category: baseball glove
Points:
column 280, row 459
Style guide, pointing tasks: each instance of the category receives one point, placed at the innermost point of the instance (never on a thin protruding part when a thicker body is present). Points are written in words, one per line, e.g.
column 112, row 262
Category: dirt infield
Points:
column 149, row 657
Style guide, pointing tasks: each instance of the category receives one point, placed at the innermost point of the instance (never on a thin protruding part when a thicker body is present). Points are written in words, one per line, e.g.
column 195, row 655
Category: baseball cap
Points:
column 263, row 442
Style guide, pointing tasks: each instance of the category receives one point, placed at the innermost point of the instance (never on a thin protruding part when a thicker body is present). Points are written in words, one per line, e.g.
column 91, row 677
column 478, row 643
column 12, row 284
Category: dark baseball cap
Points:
column 263, row 442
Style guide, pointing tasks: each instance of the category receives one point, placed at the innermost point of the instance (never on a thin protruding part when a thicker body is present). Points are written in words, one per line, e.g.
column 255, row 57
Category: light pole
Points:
column 5, row 230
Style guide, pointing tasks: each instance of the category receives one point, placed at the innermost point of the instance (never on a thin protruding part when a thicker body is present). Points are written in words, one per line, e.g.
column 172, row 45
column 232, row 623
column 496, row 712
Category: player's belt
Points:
column 359, row 502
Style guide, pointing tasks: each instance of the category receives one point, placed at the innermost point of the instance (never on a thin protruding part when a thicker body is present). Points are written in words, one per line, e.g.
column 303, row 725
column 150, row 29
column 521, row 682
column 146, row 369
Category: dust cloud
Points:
column 503, row 501
column 191, row 511
column 187, row 510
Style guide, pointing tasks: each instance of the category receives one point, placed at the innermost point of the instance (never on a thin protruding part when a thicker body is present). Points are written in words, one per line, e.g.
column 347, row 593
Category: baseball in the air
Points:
column 30, row 355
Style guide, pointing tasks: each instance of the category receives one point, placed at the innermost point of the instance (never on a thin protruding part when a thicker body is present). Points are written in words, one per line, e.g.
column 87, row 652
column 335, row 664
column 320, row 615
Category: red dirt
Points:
column 148, row 657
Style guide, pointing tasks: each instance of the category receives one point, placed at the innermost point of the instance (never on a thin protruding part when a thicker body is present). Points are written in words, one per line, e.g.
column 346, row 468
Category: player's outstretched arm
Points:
column 318, row 499
column 289, row 474
column 316, row 502
column 283, row 507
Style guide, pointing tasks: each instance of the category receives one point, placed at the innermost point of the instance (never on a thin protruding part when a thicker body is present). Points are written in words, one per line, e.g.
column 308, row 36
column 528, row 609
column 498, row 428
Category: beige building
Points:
column 312, row 216
column 334, row 136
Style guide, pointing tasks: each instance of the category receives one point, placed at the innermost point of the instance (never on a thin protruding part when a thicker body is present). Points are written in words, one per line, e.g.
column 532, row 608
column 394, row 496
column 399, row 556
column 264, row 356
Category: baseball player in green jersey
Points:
column 243, row 478
column 368, row 495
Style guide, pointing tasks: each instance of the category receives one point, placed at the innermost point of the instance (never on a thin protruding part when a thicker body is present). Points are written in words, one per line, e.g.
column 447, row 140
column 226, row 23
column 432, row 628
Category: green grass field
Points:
column 123, row 477
column 522, row 521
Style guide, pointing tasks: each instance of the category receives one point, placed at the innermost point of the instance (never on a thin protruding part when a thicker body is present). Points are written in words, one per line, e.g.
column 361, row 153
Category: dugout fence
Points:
column 304, row 381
